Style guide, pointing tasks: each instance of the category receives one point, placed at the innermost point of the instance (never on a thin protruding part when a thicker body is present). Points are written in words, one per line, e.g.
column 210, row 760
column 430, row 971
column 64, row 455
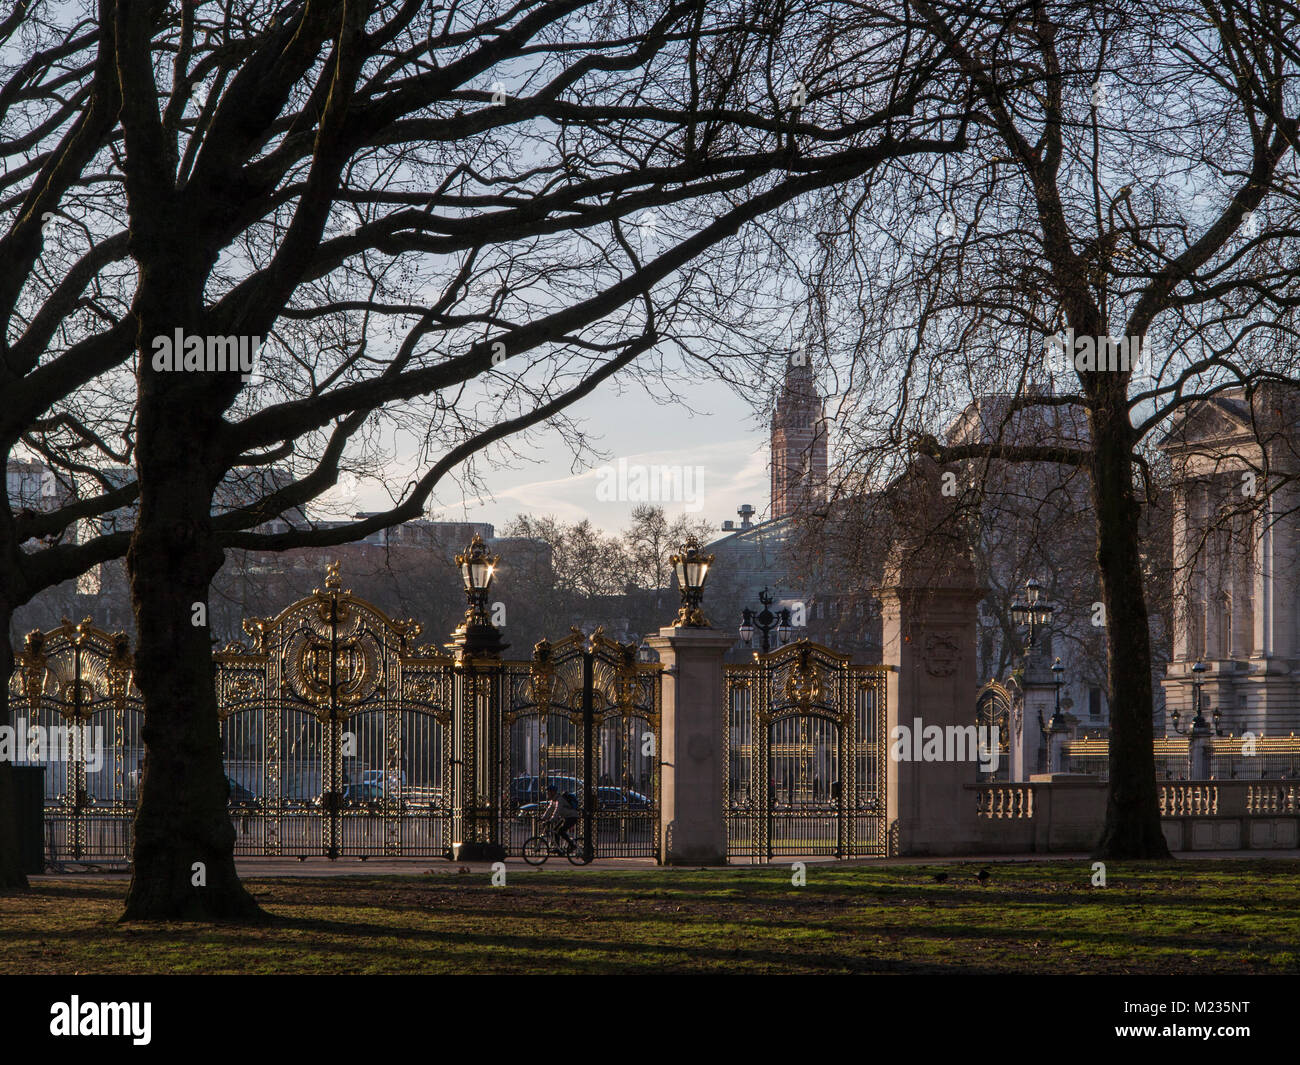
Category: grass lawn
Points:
column 1189, row 917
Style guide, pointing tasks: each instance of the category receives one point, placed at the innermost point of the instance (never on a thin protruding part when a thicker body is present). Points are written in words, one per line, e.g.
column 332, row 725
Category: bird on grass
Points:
column 982, row 876
column 939, row 878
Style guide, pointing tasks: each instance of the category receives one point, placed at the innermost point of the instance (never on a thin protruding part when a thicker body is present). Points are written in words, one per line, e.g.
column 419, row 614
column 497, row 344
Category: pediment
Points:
column 1208, row 421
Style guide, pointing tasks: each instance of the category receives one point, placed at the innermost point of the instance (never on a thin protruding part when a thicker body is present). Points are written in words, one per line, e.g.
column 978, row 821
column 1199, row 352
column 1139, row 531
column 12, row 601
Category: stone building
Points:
column 1035, row 522
column 772, row 554
column 1236, row 544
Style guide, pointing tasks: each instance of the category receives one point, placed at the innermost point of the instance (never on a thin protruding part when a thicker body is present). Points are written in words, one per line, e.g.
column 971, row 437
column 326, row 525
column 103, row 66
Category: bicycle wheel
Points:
column 578, row 856
column 536, row 850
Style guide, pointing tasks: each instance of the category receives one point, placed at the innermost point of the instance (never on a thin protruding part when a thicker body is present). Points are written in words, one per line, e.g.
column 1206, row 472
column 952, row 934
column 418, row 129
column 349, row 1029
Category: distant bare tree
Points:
column 1132, row 175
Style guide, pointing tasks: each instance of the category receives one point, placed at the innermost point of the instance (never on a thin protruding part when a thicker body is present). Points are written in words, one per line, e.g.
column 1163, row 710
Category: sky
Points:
column 716, row 451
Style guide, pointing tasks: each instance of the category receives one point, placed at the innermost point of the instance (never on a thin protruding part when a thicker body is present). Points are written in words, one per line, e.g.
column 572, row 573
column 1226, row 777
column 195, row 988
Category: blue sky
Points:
column 718, row 434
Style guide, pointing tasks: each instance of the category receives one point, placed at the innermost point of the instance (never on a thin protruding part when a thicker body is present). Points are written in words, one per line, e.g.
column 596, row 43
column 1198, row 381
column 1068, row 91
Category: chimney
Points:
column 746, row 513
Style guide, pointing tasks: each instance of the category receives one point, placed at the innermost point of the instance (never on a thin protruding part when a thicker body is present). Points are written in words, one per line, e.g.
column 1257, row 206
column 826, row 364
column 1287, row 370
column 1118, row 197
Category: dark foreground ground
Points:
column 1039, row 917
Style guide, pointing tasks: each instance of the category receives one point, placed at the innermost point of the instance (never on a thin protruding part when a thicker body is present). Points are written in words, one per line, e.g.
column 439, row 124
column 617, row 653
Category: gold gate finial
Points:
column 332, row 578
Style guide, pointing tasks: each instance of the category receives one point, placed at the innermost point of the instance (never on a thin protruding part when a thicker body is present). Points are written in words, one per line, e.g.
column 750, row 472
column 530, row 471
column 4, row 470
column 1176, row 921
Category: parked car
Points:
column 524, row 789
column 608, row 800
column 376, row 776
column 616, row 799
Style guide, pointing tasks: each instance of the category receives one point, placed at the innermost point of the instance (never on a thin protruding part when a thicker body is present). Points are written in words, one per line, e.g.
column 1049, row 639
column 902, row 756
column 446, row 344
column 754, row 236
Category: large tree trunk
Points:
column 12, row 877
column 183, row 832
column 1132, row 826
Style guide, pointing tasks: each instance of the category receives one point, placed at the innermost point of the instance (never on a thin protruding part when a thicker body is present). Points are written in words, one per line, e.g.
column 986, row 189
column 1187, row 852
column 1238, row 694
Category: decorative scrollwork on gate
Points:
column 806, row 766
column 584, row 715
column 75, row 684
column 337, row 729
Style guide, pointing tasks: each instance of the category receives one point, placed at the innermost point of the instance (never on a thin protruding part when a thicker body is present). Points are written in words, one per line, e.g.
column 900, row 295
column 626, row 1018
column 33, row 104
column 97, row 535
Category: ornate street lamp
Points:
column 477, row 635
column 691, row 565
column 476, row 821
column 1199, row 725
column 1032, row 611
column 746, row 626
column 765, row 622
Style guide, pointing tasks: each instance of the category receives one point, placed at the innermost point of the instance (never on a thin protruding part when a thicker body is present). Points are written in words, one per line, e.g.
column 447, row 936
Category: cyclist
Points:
column 561, row 814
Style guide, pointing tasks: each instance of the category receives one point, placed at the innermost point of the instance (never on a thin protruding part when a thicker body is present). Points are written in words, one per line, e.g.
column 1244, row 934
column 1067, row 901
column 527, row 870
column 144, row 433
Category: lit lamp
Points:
column 691, row 565
column 747, row 626
column 476, row 634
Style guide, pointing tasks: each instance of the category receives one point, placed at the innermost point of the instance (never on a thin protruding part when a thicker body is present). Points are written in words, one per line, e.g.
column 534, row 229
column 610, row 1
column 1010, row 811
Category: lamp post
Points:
column 1057, row 724
column 477, row 636
column 1057, row 729
column 1032, row 611
column 691, row 565
column 476, row 724
column 1199, row 753
column 766, row 623
column 1199, row 725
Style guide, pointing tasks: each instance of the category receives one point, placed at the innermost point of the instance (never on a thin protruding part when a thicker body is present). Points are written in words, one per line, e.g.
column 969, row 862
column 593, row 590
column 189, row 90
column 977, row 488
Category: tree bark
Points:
column 184, row 865
column 184, row 854
column 1132, row 825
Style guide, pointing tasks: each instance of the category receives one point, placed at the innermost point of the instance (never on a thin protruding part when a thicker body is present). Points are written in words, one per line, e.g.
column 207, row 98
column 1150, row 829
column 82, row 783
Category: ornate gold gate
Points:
column 77, row 714
column 584, row 717
column 993, row 717
column 342, row 736
column 336, row 730
column 806, row 758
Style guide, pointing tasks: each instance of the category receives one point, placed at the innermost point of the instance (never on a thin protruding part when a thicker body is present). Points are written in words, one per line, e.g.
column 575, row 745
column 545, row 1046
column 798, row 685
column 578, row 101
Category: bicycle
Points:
column 538, row 848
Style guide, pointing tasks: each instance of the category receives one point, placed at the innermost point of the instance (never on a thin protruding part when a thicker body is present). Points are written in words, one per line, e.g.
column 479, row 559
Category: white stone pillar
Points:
column 1039, row 702
column 930, row 614
column 1198, row 756
column 1056, row 738
column 692, row 810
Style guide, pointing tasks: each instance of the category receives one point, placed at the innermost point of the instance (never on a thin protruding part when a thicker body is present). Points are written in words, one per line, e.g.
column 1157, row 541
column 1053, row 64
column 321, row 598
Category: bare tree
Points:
column 1132, row 176
column 443, row 225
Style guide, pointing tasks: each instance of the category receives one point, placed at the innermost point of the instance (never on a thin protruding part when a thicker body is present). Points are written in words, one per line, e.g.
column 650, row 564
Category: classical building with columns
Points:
column 1236, row 464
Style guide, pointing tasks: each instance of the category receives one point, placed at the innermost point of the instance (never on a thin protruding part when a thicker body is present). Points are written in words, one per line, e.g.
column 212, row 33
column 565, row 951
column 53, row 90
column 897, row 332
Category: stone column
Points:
column 1056, row 738
column 929, row 603
column 692, row 808
column 1183, row 504
column 1038, row 701
column 1198, row 755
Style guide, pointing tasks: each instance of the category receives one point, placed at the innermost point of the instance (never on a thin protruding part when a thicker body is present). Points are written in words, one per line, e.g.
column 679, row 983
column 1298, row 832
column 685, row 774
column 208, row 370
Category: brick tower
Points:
column 798, row 442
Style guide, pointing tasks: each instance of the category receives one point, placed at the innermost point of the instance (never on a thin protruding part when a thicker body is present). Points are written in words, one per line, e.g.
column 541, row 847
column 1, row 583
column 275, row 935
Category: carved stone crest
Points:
column 941, row 654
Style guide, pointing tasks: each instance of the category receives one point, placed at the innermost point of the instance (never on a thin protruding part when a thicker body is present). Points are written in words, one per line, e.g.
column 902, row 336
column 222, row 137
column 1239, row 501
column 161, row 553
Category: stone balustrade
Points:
column 1065, row 812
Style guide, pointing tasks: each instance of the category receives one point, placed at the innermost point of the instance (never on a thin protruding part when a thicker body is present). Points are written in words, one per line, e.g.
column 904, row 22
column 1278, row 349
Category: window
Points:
column 1094, row 702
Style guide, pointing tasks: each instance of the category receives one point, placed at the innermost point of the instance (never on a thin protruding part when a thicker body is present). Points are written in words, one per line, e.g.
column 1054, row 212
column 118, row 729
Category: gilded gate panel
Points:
column 806, row 763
